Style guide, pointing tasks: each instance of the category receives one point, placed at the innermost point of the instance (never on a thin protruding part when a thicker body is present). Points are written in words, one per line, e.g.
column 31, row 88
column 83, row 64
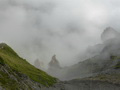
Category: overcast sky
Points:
column 42, row 28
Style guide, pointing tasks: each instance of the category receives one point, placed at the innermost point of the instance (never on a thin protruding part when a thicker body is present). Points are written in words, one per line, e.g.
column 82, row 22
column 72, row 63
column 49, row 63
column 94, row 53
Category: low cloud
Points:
column 40, row 29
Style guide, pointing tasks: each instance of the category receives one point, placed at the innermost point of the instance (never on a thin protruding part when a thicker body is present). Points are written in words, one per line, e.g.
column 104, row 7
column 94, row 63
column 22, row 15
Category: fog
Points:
column 38, row 29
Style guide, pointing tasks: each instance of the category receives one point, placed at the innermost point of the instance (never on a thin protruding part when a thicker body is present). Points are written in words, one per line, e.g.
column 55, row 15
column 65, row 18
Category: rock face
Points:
column 109, row 33
column 111, row 41
column 18, row 80
column 54, row 63
column 54, row 67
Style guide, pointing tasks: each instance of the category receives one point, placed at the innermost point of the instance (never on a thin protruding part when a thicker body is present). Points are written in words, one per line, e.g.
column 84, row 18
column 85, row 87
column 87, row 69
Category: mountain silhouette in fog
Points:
column 109, row 33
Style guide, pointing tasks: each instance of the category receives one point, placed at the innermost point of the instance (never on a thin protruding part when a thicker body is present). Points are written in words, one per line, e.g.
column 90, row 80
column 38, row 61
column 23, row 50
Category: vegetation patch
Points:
column 114, row 57
column 1, row 61
column 7, row 82
column 9, row 57
column 117, row 66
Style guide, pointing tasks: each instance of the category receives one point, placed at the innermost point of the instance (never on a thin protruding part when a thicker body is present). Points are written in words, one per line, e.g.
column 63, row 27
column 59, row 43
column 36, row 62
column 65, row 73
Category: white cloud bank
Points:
column 41, row 28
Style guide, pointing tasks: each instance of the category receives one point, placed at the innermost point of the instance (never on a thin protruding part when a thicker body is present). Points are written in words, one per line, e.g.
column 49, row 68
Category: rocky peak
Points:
column 109, row 33
column 54, row 62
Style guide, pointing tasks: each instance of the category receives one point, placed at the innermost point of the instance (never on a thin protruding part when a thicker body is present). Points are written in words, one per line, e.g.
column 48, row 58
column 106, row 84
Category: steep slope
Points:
column 14, row 70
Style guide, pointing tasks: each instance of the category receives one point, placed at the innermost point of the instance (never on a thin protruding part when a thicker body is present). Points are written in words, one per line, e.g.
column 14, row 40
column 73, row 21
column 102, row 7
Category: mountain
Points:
column 54, row 67
column 108, row 36
column 16, row 73
column 109, row 33
column 90, row 52
column 104, row 58
column 91, row 74
column 111, row 42
column 100, row 72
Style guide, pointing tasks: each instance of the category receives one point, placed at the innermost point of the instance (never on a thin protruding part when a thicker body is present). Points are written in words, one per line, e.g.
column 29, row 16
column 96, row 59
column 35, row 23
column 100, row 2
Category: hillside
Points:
column 16, row 72
column 101, row 70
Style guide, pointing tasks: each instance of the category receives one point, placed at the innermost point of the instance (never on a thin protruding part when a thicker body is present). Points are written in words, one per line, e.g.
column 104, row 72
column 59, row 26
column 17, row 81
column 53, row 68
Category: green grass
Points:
column 117, row 66
column 7, row 82
column 9, row 57
column 114, row 57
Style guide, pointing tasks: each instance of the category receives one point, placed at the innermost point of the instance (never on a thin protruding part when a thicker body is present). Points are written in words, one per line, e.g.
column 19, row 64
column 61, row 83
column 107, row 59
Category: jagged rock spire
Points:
column 54, row 63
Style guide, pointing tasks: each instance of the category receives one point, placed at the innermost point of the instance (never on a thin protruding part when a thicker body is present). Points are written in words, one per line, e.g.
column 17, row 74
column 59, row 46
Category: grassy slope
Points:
column 9, row 57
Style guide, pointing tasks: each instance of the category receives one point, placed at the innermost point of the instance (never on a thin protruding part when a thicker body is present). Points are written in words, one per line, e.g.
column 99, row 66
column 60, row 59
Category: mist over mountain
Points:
column 77, row 42
column 95, row 59
column 44, row 28
column 101, row 70
column 109, row 33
